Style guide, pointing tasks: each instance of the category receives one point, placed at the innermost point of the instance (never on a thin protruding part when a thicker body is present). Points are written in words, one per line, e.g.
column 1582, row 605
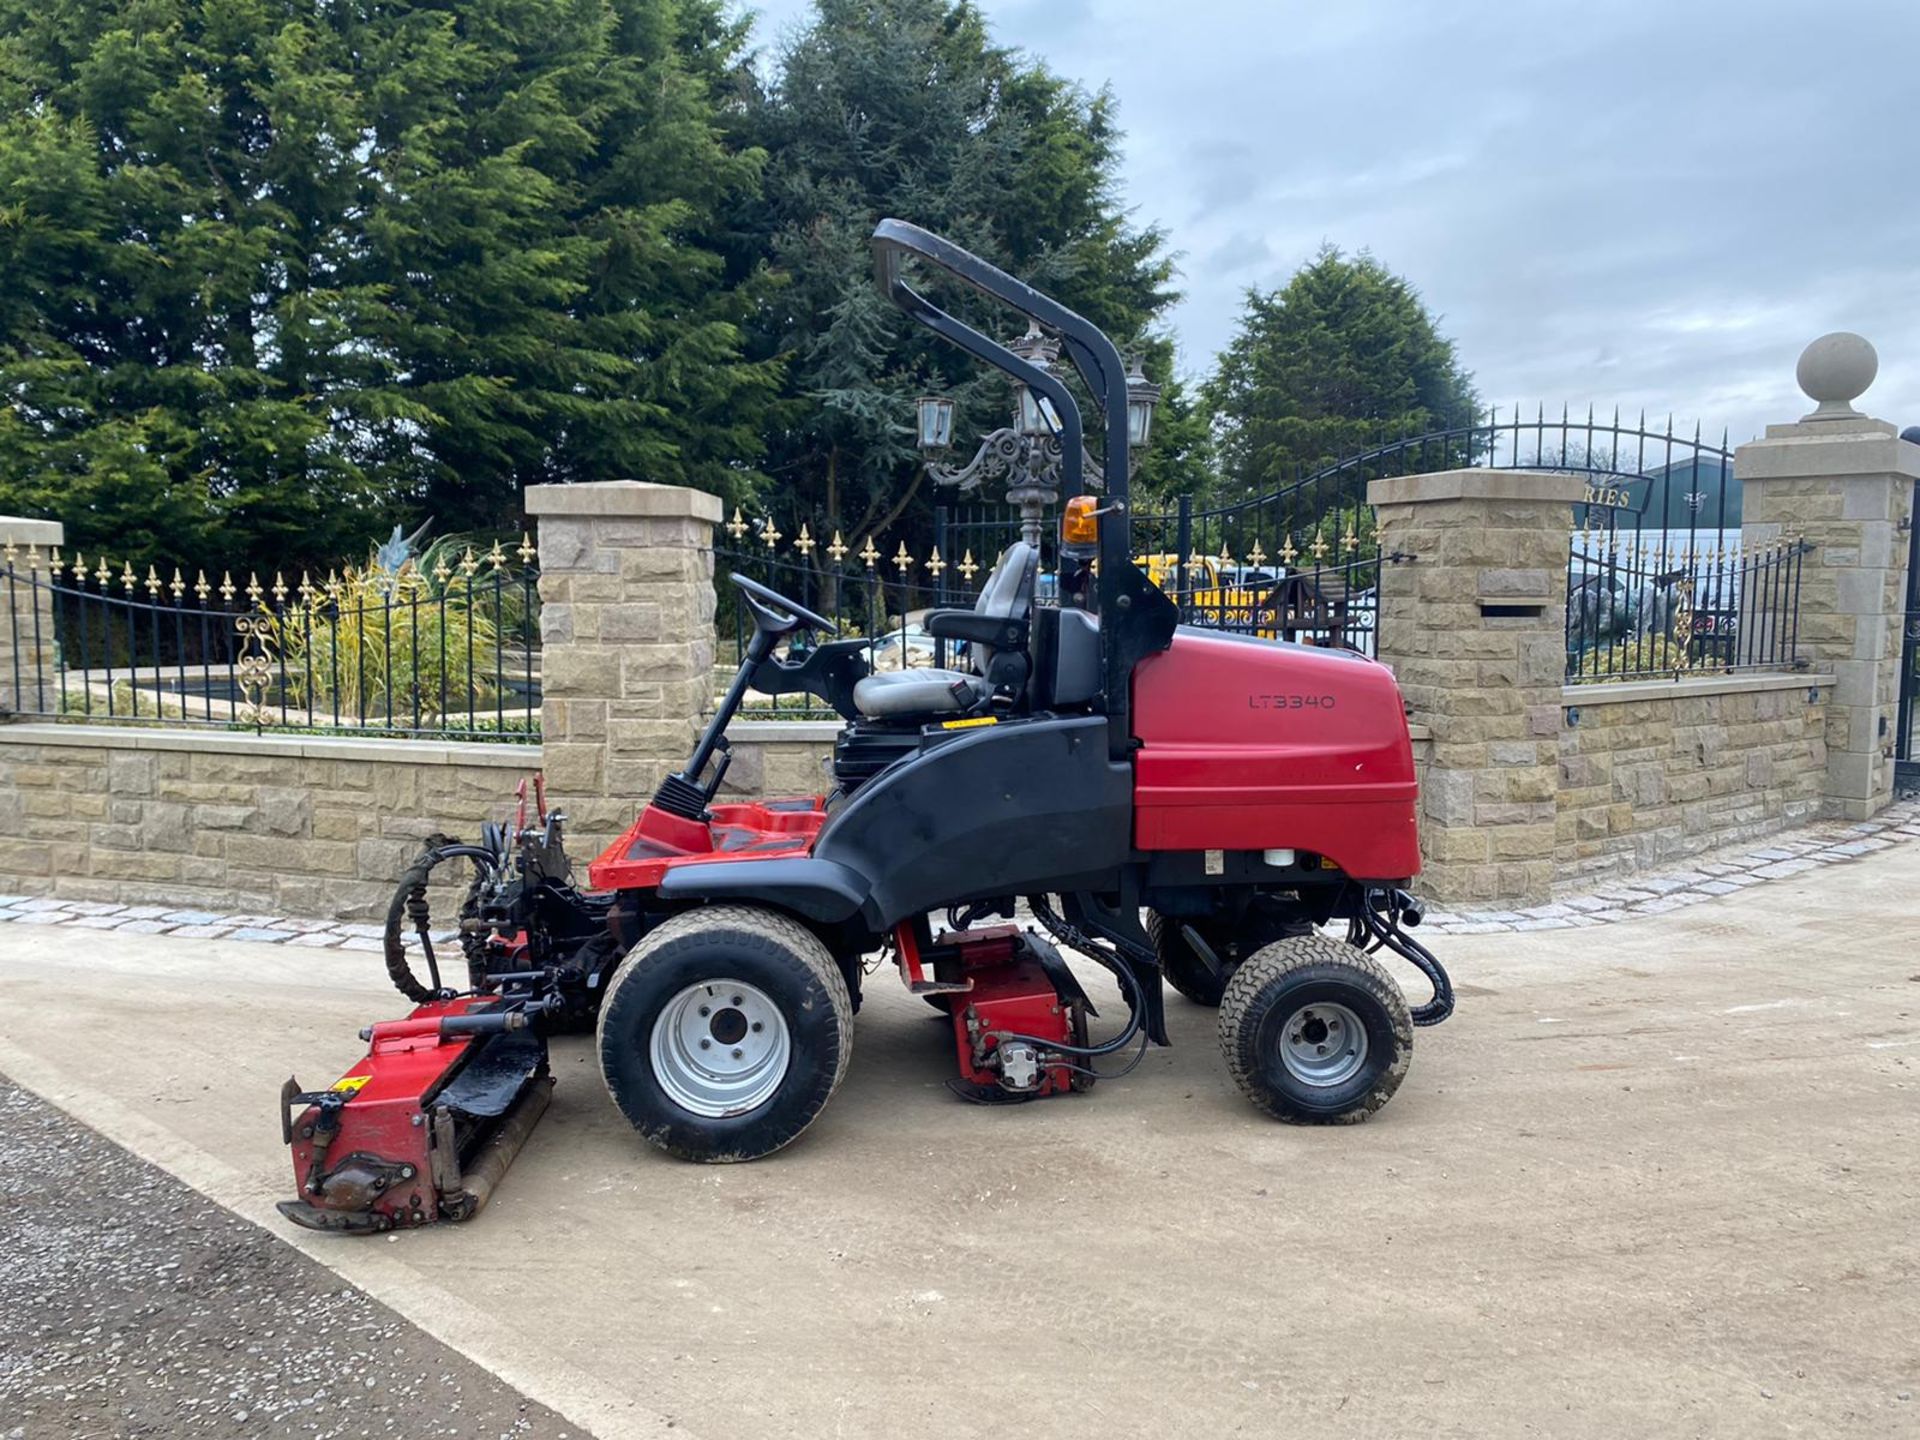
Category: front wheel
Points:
column 1315, row 1032
column 725, row 1032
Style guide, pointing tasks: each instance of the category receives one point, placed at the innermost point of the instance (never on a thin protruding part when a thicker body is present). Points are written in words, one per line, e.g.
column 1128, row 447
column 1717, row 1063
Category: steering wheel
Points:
column 776, row 614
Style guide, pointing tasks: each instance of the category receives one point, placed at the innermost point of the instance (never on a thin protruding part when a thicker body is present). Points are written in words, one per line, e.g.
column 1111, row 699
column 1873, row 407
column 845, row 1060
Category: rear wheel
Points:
column 1232, row 942
column 1315, row 1032
column 725, row 1032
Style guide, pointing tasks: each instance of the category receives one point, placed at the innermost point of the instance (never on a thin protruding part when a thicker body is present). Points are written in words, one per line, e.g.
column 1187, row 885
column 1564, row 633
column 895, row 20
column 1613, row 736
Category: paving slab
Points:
column 1666, row 1184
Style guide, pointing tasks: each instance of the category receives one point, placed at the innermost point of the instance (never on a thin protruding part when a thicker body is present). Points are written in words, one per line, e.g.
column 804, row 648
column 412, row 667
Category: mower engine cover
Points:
column 1253, row 744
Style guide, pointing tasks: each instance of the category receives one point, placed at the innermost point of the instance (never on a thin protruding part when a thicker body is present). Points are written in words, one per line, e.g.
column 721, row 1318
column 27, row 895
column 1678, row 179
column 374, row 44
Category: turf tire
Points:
column 766, row 949
column 1276, row 982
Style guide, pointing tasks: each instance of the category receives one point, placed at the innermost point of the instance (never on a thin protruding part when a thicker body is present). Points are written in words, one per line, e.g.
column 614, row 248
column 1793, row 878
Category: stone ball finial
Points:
column 1836, row 370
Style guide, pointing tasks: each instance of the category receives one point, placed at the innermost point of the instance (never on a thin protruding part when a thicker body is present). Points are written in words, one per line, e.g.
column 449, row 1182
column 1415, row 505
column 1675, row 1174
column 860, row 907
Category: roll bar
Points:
column 1135, row 618
column 1091, row 352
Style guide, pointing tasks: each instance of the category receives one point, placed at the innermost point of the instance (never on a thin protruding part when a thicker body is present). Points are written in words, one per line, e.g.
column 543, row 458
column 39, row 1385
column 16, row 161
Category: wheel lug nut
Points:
column 706, row 1044
column 736, row 1002
column 704, row 1012
column 758, row 1027
column 738, row 1053
column 1319, row 1049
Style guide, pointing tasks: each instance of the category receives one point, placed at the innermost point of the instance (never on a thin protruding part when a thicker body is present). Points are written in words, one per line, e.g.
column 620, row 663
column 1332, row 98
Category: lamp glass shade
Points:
column 1142, row 396
column 936, row 422
column 1139, row 421
column 1037, row 417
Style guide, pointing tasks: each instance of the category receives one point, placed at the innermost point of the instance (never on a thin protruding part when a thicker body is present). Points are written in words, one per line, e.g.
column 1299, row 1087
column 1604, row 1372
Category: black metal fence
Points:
column 445, row 648
column 1644, row 608
column 875, row 587
column 1659, row 580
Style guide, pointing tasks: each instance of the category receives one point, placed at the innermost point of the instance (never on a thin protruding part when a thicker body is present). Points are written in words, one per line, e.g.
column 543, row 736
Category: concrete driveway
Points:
column 1658, row 1178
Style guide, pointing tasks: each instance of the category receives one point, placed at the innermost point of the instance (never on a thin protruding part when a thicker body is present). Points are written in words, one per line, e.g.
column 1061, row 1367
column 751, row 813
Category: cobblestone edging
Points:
column 285, row 930
column 1793, row 853
column 1725, row 872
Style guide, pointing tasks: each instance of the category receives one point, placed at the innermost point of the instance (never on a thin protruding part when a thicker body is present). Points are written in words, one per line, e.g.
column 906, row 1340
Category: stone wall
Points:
column 286, row 825
column 626, row 629
column 779, row 757
column 260, row 824
column 1473, row 623
column 1651, row 773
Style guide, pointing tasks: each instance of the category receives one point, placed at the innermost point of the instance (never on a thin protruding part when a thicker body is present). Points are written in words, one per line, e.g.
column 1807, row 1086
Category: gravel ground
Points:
column 131, row 1306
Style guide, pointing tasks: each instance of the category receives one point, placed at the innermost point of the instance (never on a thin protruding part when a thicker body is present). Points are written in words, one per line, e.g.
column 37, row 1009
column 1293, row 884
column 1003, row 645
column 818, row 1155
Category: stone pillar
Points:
column 626, row 633
column 28, row 684
column 1474, row 626
column 1843, row 482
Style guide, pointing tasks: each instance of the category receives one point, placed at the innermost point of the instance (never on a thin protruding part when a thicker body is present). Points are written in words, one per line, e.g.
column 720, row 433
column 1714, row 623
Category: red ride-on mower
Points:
column 1164, row 801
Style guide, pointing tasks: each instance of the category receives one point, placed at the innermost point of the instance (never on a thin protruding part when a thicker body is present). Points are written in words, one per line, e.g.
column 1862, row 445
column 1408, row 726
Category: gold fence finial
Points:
column 935, row 564
column 1319, row 546
column 868, row 553
column 253, row 587
column 279, row 589
column 305, row 590
column 903, row 560
column 53, row 565
column 497, row 557
column 967, row 567
column 1288, row 553
column 178, row 586
column 838, row 549
column 103, row 573
column 128, row 578
column 226, row 586
column 467, row 563
column 804, row 541
column 770, row 535
column 154, row 583
column 1256, row 556
column 201, row 588
column 528, row 550
column 736, row 527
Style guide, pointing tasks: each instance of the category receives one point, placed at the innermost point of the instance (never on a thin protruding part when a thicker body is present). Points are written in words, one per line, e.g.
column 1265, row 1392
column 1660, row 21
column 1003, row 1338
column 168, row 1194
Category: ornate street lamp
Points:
column 1026, row 454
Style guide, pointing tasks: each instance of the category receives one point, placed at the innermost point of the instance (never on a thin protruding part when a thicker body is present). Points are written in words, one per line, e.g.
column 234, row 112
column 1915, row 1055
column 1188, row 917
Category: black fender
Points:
column 819, row 890
column 1015, row 808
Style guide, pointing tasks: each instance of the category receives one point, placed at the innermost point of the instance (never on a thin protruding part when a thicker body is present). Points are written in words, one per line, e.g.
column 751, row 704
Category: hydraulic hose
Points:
column 1378, row 922
column 409, row 904
column 1129, row 984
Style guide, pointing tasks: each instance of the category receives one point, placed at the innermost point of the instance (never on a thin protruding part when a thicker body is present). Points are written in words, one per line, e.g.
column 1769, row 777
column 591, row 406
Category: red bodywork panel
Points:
column 1252, row 745
column 659, row 839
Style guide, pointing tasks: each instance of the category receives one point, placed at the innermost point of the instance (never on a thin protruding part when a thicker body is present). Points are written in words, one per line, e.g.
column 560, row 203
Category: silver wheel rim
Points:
column 1323, row 1044
column 720, row 1048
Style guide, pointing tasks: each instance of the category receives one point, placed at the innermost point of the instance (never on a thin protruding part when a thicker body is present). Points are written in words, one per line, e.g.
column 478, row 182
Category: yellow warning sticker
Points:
column 350, row 1084
column 969, row 724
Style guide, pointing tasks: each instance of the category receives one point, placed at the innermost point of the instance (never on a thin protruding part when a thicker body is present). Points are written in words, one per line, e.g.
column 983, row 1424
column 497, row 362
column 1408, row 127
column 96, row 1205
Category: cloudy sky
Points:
column 1649, row 203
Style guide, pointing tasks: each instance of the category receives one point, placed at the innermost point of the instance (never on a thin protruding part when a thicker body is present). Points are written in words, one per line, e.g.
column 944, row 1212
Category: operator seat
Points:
column 1002, row 612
